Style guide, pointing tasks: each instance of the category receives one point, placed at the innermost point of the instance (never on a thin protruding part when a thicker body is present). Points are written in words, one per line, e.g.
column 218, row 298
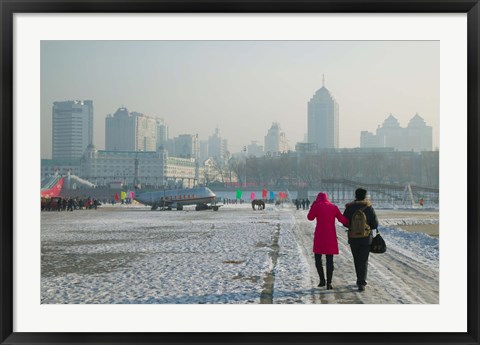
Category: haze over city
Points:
column 242, row 87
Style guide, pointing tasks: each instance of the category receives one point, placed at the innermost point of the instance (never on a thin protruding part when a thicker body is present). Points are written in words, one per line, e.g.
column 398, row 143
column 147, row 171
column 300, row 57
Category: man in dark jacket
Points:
column 361, row 246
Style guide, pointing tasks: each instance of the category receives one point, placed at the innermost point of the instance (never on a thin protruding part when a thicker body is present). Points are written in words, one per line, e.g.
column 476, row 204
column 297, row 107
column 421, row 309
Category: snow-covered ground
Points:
column 129, row 254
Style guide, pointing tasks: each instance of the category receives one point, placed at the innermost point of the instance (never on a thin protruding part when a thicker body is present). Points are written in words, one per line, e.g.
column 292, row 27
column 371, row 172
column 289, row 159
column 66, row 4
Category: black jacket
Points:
column 372, row 219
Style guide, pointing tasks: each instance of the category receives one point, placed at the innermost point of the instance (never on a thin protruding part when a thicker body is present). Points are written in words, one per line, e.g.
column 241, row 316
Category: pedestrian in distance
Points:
column 325, row 238
column 362, row 221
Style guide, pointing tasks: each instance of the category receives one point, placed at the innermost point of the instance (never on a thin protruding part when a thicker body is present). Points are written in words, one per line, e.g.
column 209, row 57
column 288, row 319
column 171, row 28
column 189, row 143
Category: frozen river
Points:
column 131, row 255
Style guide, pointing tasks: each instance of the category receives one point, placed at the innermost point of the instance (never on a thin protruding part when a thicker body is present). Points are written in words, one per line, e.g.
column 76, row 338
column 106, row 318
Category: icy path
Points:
column 397, row 276
column 236, row 255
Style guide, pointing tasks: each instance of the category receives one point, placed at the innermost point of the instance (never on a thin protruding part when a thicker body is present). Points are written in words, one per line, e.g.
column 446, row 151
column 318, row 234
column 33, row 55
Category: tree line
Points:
column 310, row 169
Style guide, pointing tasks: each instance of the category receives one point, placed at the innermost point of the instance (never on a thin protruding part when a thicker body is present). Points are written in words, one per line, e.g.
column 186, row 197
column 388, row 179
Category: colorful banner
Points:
column 239, row 194
column 252, row 195
column 272, row 195
column 117, row 197
column 123, row 195
column 264, row 193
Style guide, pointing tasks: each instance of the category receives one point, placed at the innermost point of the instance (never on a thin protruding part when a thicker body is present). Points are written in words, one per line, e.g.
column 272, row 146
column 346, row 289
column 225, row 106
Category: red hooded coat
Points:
column 325, row 238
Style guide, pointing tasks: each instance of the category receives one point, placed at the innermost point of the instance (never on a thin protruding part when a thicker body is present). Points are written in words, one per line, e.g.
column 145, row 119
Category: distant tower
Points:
column 419, row 135
column 120, row 131
column 215, row 147
column 162, row 133
column 125, row 131
column 72, row 128
column 272, row 139
column 186, row 146
column 390, row 134
column 323, row 127
column 275, row 140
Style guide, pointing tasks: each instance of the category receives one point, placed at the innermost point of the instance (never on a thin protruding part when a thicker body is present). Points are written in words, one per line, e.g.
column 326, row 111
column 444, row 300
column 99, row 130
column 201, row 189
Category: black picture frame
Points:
column 10, row 7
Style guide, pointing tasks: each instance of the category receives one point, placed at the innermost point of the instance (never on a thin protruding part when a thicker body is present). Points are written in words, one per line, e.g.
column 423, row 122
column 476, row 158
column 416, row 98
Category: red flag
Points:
column 264, row 193
column 117, row 197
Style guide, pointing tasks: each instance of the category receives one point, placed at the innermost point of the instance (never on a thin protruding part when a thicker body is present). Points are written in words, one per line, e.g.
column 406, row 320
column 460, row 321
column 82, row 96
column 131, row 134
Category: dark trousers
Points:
column 360, row 259
column 318, row 265
column 318, row 262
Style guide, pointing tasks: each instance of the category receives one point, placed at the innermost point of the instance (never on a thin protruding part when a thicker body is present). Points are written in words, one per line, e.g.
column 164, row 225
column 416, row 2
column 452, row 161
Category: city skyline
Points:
column 242, row 87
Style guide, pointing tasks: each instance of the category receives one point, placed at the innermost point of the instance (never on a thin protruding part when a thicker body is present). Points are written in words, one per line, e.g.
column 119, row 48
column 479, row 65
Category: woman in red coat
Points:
column 325, row 238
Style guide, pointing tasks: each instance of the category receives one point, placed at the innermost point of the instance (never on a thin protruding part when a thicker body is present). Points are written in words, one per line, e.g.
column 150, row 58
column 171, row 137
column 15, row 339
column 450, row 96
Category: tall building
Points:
column 323, row 126
column 120, row 131
column 72, row 128
column 417, row 136
column 162, row 133
column 275, row 140
column 145, row 132
column 215, row 145
column 186, row 146
column 126, row 131
column 390, row 133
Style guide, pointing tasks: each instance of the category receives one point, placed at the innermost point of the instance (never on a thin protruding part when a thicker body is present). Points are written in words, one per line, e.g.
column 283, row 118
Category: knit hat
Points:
column 360, row 194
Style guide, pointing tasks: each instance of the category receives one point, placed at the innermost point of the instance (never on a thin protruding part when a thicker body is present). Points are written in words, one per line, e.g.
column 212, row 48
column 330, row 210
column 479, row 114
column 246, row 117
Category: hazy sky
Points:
column 243, row 86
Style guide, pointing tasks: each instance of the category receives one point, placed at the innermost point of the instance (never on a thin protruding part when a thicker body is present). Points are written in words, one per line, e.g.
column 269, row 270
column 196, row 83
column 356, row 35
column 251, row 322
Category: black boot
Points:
column 329, row 279
column 321, row 275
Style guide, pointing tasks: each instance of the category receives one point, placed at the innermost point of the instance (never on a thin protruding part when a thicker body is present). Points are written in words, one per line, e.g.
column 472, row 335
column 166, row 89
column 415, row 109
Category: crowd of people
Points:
column 68, row 204
column 227, row 201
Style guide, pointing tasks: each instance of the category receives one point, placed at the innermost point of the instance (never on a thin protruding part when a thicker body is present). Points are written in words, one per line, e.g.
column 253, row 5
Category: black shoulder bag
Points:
column 378, row 245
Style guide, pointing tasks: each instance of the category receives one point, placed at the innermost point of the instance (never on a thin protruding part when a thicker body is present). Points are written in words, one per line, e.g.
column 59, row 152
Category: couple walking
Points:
column 325, row 237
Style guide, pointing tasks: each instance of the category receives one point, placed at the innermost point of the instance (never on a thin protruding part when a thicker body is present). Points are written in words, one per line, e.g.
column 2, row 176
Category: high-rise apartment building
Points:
column 217, row 147
column 185, row 146
column 323, row 119
column 162, row 133
column 275, row 140
column 120, row 131
column 72, row 128
column 145, row 132
column 417, row 136
column 125, row 131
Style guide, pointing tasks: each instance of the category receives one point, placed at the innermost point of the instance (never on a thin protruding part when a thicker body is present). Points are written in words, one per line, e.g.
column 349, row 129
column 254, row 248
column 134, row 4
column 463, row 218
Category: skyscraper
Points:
column 186, row 146
column 217, row 147
column 72, row 128
column 120, row 131
column 323, row 127
column 390, row 134
column 126, row 131
column 145, row 132
column 275, row 140
column 162, row 133
column 417, row 136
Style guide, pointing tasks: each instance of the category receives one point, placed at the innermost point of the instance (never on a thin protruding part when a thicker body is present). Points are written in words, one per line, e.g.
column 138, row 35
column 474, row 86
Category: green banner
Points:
column 239, row 194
